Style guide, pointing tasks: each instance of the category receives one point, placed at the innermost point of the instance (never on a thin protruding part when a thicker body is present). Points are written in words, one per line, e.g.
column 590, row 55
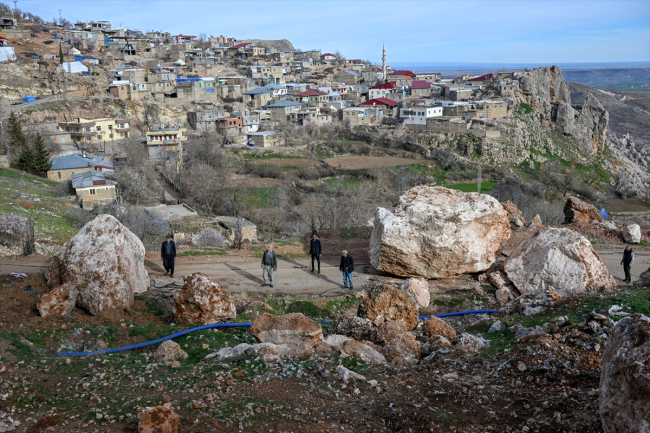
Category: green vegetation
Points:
column 525, row 108
column 205, row 252
column 471, row 187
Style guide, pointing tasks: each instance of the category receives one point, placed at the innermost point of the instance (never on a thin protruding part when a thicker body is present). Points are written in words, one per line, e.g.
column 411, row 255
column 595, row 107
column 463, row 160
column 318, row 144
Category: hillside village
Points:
column 485, row 217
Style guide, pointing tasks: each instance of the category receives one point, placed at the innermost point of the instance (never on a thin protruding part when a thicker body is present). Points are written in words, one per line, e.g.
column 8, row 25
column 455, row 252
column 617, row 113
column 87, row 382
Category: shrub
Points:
column 13, row 228
column 209, row 237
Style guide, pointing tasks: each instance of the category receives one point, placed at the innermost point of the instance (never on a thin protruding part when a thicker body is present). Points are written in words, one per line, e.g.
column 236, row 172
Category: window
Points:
column 59, row 175
column 92, row 191
column 110, row 127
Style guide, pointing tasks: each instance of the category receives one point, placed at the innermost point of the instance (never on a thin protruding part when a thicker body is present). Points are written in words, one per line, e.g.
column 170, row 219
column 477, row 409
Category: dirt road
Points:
column 294, row 276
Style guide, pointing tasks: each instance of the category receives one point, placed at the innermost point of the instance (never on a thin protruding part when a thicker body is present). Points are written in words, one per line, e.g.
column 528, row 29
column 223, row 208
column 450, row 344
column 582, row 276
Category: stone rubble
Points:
column 159, row 419
column 59, row 302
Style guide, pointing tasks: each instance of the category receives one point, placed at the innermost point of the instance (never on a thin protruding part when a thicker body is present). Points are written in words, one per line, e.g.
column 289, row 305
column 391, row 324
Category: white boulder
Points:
column 419, row 289
column 632, row 233
column 557, row 259
column 104, row 262
column 435, row 232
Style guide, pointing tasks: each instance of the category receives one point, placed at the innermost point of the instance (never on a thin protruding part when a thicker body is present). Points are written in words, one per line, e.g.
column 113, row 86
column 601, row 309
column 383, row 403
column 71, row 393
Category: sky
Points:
column 435, row 31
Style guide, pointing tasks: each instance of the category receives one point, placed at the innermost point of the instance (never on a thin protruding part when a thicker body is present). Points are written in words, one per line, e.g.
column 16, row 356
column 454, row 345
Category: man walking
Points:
column 168, row 255
column 347, row 267
column 315, row 249
column 628, row 259
column 269, row 266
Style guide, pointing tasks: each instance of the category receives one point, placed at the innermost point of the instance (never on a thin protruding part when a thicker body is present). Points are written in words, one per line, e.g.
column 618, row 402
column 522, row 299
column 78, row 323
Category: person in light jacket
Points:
column 269, row 266
column 347, row 267
column 626, row 261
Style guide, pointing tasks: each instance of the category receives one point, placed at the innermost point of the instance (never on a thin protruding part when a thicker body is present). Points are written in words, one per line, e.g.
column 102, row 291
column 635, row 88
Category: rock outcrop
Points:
column 576, row 210
column 104, row 262
column 202, row 301
column 625, row 377
column 292, row 329
column 419, row 289
column 514, row 214
column 557, row 259
column 632, row 233
column 590, row 128
column 384, row 303
column 435, row 232
column 159, row 419
column 59, row 302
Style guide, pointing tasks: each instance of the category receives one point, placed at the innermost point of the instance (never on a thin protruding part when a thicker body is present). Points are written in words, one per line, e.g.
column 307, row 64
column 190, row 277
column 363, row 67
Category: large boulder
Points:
column 159, row 419
column 271, row 352
column 419, row 289
column 364, row 351
column 557, row 259
column 403, row 349
column 435, row 232
column 632, row 233
column 292, row 329
column 202, row 301
column 356, row 327
column 169, row 351
column 59, row 302
column 383, row 303
column 625, row 377
column 104, row 262
column 576, row 210
column 387, row 331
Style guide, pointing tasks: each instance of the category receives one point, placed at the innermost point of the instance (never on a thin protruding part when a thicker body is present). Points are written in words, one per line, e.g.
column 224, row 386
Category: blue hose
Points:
column 229, row 325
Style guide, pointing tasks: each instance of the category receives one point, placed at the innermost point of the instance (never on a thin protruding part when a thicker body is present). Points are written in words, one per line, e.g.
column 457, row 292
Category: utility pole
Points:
column 15, row 6
column 60, row 19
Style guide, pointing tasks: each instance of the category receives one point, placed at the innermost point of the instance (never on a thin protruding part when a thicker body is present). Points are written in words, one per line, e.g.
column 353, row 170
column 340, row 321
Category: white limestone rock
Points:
column 419, row 289
column 435, row 232
column 632, row 233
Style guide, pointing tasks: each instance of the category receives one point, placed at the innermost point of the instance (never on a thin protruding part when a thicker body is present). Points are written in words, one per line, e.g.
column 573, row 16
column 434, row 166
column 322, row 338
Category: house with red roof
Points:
column 314, row 97
column 389, row 107
column 401, row 77
column 382, row 90
column 420, row 89
column 183, row 38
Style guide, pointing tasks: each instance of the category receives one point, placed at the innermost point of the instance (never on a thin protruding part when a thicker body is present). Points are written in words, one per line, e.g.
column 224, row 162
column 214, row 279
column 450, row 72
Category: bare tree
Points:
column 135, row 176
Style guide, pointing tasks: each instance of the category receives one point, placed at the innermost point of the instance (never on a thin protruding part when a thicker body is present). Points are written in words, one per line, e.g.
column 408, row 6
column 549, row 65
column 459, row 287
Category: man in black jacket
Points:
column 168, row 254
column 626, row 261
column 315, row 249
column 347, row 267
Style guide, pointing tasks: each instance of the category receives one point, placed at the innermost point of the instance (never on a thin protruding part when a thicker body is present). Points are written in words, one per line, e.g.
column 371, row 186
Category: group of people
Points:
column 346, row 266
column 270, row 263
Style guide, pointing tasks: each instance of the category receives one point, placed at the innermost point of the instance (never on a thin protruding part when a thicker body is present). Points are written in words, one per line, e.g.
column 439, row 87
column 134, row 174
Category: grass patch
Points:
column 471, row 187
column 205, row 252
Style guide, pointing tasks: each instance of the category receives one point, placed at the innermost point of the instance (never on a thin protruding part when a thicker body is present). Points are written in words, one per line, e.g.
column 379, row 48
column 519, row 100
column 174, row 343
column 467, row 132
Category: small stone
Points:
column 175, row 364
column 496, row 327
column 521, row 366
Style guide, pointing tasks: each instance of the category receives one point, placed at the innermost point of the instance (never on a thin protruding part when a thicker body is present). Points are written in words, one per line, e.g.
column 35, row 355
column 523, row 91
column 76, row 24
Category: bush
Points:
column 79, row 217
column 13, row 229
column 209, row 237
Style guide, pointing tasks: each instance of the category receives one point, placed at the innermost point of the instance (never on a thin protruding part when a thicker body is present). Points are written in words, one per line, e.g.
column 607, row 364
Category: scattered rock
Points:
column 514, row 214
column 230, row 352
column 576, row 210
column 271, row 353
column 427, row 347
column 535, row 223
column 436, row 326
column 560, row 259
column 169, row 351
column 496, row 327
column 59, row 302
column 356, row 327
column 516, row 223
column 471, row 343
column 202, row 301
column 505, row 288
column 363, row 351
column 7, row 423
column 389, row 330
column 624, row 380
column 337, row 341
column 293, row 329
column 531, row 311
column 632, row 233
column 404, row 346
column 104, row 262
column 384, row 302
column 419, row 289
column 159, row 419
column 607, row 225
column 435, row 232
column 346, row 374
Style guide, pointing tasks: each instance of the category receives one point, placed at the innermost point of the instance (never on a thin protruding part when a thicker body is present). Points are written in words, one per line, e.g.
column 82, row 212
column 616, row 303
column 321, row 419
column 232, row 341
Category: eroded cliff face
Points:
column 545, row 90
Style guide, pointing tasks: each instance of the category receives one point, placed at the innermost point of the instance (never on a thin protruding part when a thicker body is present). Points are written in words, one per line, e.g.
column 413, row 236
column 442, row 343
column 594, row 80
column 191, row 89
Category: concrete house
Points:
column 264, row 139
column 416, row 117
column 96, row 130
column 258, row 97
column 277, row 89
column 281, row 110
column 348, row 77
column 382, row 90
column 64, row 167
column 248, row 229
column 94, row 188
column 166, row 143
column 420, row 89
column 356, row 116
column 313, row 97
column 389, row 105
column 206, row 119
column 8, row 23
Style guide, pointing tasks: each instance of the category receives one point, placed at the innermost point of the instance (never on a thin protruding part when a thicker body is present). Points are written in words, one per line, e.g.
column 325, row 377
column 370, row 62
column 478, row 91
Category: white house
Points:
column 419, row 115
column 73, row 67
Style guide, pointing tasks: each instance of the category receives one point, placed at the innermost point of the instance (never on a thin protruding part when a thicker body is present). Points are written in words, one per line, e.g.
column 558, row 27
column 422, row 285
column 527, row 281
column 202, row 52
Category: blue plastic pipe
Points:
column 230, row 325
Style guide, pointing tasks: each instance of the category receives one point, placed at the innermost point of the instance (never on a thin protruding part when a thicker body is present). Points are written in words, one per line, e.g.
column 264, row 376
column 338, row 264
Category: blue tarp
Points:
column 29, row 98
column 209, row 90
column 56, row 37
column 603, row 212
column 78, row 59
column 86, row 73
column 182, row 80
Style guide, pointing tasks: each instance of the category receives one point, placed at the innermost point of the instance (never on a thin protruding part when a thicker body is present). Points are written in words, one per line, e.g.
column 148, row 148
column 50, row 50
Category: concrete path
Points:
column 294, row 276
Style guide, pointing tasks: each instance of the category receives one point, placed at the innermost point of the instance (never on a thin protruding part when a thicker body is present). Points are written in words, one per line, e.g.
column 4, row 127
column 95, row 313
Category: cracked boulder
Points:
column 202, row 301
column 292, row 329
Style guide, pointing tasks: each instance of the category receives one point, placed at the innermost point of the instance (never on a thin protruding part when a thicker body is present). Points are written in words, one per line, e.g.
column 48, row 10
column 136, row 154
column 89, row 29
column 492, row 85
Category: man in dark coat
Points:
column 626, row 261
column 168, row 254
column 347, row 267
column 315, row 249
